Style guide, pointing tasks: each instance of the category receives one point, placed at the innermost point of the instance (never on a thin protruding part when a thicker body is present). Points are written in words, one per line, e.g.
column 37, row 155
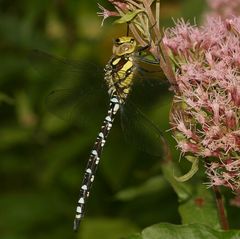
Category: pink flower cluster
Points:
column 224, row 8
column 206, row 108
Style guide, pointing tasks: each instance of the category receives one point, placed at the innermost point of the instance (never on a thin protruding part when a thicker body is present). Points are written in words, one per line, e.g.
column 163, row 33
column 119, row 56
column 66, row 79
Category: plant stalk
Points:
column 220, row 207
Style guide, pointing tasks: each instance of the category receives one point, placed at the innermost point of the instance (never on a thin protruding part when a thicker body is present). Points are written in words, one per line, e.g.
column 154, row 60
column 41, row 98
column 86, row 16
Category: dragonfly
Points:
column 119, row 75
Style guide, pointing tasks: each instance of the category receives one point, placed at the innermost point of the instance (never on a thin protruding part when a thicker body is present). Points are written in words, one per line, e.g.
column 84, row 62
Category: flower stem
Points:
column 220, row 207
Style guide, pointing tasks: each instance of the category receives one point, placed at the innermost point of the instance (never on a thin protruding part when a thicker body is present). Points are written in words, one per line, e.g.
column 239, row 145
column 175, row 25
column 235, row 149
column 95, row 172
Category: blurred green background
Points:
column 43, row 158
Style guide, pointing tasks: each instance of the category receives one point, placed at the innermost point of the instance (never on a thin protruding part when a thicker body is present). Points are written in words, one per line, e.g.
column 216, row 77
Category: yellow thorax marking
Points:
column 116, row 61
column 124, row 69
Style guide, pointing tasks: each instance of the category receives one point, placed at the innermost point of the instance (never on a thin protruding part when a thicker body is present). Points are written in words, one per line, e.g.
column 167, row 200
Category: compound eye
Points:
column 132, row 40
column 117, row 41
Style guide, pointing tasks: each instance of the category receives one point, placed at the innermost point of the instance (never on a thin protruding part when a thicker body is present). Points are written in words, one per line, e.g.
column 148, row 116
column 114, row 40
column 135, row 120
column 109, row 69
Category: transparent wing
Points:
column 78, row 107
column 79, row 94
column 147, row 92
column 63, row 72
column 149, row 88
column 142, row 132
column 149, row 72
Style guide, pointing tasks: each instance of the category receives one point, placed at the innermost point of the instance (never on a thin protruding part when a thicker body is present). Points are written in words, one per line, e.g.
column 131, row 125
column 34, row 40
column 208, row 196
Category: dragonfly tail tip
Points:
column 76, row 224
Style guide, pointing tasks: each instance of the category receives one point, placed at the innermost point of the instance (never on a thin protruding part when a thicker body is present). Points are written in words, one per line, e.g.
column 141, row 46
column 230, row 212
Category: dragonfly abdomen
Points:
column 119, row 74
column 95, row 158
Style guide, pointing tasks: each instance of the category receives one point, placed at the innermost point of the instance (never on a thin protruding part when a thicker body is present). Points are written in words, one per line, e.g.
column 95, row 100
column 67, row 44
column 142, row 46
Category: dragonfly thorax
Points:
column 121, row 67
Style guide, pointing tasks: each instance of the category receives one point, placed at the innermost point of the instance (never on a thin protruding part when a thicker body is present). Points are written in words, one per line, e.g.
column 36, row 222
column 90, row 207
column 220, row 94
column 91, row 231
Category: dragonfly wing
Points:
column 78, row 107
column 81, row 94
column 63, row 72
column 142, row 132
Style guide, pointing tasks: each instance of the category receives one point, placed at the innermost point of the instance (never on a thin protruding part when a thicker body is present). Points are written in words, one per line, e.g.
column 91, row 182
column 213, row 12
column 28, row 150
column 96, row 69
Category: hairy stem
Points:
column 162, row 55
column 220, row 207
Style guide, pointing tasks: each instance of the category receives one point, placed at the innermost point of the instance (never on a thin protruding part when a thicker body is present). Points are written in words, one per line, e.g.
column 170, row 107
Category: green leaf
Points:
column 203, row 205
column 12, row 136
column 6, row 99
column 24, row 110
column 194, row 201
column 107, row 228
column 191, row 231
column 154, row 184
column 136, row 236
column 128, row 17
column 183, row 190
column 191, row 172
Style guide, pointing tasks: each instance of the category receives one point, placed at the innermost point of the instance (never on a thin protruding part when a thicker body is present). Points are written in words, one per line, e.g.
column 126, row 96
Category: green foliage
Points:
column 107, row 228
column 194, row 200
column 128, row 17
column 193, row 231
column 43, row 157
column 201, row 204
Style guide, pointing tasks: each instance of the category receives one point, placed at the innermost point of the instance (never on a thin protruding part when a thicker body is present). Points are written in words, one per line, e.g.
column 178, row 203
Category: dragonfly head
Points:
column 124, row 45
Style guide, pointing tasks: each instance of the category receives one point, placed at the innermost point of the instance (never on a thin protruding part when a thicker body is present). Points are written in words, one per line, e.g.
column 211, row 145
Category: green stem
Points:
column 220, row 207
